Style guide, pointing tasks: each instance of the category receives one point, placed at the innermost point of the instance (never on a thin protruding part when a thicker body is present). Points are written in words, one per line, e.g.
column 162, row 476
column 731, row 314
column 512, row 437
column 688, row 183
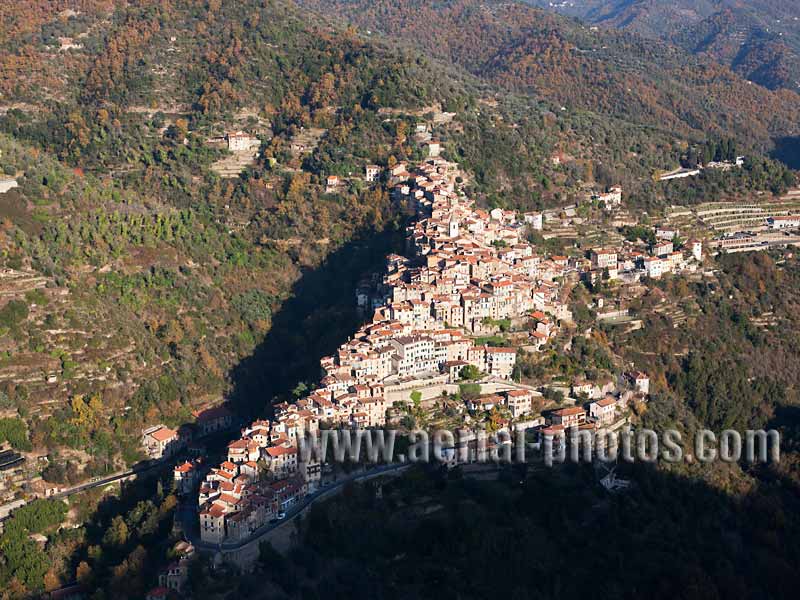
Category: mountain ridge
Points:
column 756, row 39
column 564, row 62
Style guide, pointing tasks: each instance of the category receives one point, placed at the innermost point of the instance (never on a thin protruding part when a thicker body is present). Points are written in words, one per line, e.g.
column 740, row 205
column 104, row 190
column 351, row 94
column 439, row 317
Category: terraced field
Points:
column 729, row 217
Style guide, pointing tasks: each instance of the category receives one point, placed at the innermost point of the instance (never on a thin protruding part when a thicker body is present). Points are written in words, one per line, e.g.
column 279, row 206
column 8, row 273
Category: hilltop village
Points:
column 468, row 273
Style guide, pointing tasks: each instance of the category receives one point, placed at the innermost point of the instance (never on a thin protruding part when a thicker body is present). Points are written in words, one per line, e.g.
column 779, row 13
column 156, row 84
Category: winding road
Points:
column 188, row 514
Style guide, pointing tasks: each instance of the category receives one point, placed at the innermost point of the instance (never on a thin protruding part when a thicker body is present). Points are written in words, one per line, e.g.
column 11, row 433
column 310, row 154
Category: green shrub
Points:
column 15, row 433
column 13, row 313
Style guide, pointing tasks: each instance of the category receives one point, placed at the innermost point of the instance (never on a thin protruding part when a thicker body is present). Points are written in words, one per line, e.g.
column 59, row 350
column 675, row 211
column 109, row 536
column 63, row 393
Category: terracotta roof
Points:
column 229, row 499
column 163, row 434
column 276, row 451
column 567, row 412
column 215, row 510
column 607, row 401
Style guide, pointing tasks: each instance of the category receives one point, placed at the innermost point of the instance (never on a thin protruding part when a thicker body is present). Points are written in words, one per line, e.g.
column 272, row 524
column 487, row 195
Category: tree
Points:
column 14, row 590
column 83, row 574
column 300, row 390
column 24, row 560
column 117, row 534
column 13, row 431
column 470, row 373
column 37, row 516
column 13, row 313
column 51, row 581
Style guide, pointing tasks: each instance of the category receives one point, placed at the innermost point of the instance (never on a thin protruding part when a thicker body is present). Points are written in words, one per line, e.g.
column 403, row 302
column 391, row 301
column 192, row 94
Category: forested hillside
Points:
column 142, row 281
column 138, row 284
column 140, row 278
column 532, row 51
column 120, row 221
column 758, row 39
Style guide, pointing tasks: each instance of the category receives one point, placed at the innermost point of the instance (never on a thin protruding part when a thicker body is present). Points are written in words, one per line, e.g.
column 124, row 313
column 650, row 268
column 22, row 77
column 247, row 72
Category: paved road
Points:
column 189, row 514
column 93, row 484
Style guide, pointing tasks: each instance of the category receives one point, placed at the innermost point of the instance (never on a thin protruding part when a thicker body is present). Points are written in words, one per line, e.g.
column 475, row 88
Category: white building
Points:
column 332, row 184
column 664, row 248
column 240, row 141
column 612, row 198
column 696, row 246
column 519, row 402
column 414, row 355
column 372, row 173
column 641, row 381
column 789, row 222
column 535, row 220
column 603, row 259
column 605, row 410
column 160, row 441
column 500, row 361
column 434, row 148
column 666, row 233
column 654, row 267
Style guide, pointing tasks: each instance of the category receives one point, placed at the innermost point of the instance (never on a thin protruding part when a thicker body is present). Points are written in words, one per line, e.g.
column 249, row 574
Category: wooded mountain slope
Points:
column 757, row 39
column 621, row 74
column 156, row 277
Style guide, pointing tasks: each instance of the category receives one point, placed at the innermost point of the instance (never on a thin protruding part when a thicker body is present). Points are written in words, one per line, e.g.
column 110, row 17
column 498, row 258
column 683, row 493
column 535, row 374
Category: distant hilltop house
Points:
column 639, row 380
column 611, row 198
column 604, row 258
column 586, row 388
column 662, row 249
column 605, row 411
column 654, row 267
column 332, row 183
column 696, row 246
column 186, row 475
column 175, row 576
column 569, row 417
column 503, row 216
column 67, row 43
column 726, row 165
column 239, row 141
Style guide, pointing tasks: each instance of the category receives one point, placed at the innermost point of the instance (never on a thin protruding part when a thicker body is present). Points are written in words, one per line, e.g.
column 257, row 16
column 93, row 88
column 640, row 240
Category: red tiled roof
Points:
column 607, row 401
column 276, row 451
column 164, row 434
column 567, row 412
